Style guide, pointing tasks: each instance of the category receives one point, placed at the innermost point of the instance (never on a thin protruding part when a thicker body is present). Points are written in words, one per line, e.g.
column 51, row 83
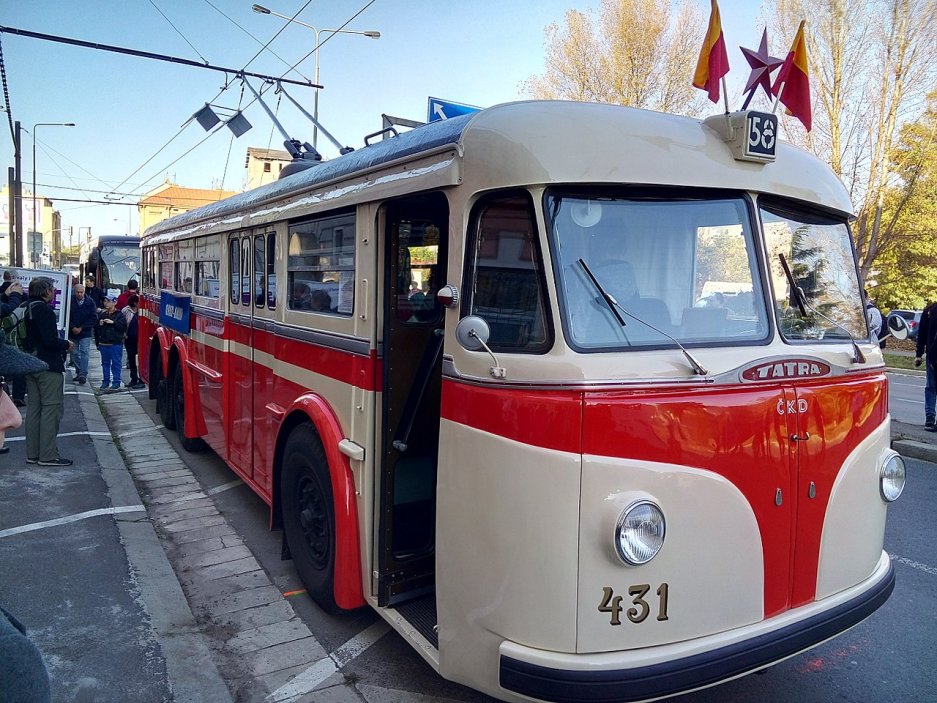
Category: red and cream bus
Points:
column 580, row 398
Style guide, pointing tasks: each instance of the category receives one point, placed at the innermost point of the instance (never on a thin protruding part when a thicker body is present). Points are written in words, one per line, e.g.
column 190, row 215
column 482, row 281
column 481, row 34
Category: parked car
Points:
column 912, row 317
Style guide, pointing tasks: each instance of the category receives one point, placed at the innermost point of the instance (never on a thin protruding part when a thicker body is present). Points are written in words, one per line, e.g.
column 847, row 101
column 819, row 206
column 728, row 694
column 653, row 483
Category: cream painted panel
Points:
column 507, row 538
column 854, row 527
column 712, row 559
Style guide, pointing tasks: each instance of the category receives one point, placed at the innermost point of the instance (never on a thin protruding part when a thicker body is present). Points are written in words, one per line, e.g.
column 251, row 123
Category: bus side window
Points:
column 260, row 269
column 234, row 258
column 271, row 270
column 507, row 281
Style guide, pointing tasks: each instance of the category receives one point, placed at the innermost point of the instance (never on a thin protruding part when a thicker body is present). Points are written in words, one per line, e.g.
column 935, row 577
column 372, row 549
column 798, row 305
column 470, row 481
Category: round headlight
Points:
column 892, row 478
column 639, row 534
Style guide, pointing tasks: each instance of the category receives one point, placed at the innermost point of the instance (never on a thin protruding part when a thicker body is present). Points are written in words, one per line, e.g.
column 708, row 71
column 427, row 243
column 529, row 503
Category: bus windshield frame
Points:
column 677, row 263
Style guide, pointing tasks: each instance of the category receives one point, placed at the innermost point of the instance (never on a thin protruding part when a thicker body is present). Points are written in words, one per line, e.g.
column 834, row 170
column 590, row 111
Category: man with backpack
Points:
column 927, row 347
column 130, row 313
column 45, row 390
column 10, row 300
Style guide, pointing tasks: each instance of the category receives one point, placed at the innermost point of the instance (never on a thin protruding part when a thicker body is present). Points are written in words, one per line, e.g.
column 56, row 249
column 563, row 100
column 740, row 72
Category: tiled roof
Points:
column 274, row 154
column 175, row 196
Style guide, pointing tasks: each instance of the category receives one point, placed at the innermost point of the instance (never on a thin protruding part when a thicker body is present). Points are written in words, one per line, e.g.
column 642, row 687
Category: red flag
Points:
column 792, row 86
column 713, row 61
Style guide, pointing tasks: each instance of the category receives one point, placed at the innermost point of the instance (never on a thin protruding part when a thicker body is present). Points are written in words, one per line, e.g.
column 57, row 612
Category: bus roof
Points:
column 544, row 142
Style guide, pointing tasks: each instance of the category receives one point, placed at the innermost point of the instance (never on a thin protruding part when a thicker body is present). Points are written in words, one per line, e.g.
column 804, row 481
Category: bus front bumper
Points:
column 672, row 669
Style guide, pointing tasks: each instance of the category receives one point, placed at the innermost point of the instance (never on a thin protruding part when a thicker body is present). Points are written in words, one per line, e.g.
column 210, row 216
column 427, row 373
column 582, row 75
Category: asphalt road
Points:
column 888, row 658
column 906, row 396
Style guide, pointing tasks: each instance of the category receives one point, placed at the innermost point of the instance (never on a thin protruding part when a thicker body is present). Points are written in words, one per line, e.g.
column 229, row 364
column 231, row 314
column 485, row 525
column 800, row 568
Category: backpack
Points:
column 15, row 331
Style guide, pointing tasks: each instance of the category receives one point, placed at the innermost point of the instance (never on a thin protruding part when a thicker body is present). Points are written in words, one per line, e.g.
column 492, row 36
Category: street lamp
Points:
column 315, row 112
column 35, row 127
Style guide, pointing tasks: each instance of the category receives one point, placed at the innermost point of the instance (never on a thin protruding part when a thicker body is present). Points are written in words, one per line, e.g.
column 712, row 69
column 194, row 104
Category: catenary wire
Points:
column 178, row 31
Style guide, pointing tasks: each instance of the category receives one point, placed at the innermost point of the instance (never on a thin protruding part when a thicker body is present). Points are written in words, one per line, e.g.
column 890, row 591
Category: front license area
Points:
column 640, row 609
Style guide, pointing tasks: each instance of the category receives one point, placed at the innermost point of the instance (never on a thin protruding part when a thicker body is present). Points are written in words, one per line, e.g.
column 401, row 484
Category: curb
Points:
column 915, row 450
column 189, row 664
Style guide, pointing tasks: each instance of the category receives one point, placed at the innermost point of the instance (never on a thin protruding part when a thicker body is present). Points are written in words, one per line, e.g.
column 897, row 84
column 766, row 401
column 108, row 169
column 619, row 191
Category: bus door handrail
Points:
column 417, row 391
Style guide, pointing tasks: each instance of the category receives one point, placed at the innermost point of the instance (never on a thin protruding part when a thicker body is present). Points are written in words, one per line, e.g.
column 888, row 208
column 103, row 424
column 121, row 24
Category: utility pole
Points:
column 11, row 178
column 18, row 194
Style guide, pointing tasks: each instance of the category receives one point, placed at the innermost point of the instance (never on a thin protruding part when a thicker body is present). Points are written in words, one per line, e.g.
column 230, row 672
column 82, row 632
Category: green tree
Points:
column 872, row 63
column 630, row 52
column 906, row 269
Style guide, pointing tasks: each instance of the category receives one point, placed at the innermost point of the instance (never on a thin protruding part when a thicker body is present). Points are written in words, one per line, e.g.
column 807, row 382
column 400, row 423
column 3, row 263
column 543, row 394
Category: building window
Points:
column 266, row 167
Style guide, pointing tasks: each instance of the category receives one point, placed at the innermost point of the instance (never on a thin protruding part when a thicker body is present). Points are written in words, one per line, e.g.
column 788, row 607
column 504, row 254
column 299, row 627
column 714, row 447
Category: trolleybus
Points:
column 113, row 261
column 580, row 398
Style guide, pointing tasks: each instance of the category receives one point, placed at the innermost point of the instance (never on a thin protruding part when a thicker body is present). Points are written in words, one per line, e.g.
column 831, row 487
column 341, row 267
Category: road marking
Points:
column 317, row 673
column 71, row 518
column 915, row 565
column 224, row 487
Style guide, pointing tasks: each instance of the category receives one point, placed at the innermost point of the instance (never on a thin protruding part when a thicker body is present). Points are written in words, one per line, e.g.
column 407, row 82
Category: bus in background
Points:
column 113, row 261
column 482, row 377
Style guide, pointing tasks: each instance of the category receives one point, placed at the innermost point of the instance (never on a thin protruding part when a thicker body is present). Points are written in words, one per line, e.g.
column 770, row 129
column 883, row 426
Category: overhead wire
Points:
column 178, row 31
column 235, row 23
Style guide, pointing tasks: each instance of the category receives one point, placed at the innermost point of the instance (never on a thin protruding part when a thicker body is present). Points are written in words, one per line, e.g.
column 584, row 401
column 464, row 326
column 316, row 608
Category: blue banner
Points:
column 174, row 311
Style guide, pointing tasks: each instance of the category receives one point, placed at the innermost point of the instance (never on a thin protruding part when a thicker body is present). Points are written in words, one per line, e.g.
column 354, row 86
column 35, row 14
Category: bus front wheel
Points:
column 308, row 514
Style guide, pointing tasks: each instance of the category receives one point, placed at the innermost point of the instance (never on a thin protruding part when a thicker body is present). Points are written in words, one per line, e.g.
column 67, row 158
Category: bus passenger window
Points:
column 271, row 270
column 234, row 260
column 246, row 271
column 260, row 292
column 321, row 264
column 508, row 284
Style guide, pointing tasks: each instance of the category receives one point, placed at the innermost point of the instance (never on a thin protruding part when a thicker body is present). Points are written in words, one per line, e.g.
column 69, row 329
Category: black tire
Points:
column 308, row 514
column 164, row 400
column 190, row 444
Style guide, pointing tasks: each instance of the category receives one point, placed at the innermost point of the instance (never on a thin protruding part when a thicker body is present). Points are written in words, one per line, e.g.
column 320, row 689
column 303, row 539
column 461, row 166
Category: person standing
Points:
column 130, row 344
column 95, row 293
column 109, row 336
column 82, row 319
column 874, row 316
column 10, row 299
column 45, row 391
column 927, row 346
column 124, row 298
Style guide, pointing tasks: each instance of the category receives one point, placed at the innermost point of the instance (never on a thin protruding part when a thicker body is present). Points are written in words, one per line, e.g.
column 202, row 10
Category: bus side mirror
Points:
column 897, row 327
column 472, row 333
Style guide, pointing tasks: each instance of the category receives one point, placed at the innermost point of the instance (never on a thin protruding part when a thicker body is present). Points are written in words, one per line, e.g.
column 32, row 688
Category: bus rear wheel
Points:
column 163, row 400
column 190, row 444
column 308, row 514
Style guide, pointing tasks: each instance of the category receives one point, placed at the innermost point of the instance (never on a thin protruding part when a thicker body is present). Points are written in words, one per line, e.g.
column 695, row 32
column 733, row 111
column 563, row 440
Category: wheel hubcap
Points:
column 313, row 521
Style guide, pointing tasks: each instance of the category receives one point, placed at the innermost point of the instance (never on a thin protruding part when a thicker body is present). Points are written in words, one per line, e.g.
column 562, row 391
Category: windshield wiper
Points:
column 800, row 299
column 615, row 306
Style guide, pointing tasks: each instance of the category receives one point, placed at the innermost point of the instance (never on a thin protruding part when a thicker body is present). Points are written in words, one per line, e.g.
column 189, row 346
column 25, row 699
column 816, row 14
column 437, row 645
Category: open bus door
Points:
column 417, row 233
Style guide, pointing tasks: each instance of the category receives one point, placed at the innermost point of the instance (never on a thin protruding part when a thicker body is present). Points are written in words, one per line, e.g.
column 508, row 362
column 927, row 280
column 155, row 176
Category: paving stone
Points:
column 168, row 482
column 217, row 556
column 230, row 584
column 171, row 524
column 201, row 547
column 231, row 568
column 284, row 656
column 196, row 535
column 232, row 602
column 268, row 636
column 267, row 614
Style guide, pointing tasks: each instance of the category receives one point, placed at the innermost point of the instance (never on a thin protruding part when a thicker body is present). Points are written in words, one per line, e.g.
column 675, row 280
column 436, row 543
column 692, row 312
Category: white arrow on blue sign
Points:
column 446, row 109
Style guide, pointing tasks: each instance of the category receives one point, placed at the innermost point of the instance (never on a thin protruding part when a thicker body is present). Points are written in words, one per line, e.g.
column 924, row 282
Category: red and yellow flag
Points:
column 713, row 61
column 792, row 86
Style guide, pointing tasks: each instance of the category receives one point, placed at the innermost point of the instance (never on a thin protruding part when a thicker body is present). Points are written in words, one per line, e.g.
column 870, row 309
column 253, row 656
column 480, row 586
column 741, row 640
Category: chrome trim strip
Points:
column 353, row 345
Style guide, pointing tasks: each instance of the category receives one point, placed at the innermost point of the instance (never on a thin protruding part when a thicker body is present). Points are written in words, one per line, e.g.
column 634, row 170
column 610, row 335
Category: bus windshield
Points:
column 675, row 267
column 119, row 263
column 823, row 265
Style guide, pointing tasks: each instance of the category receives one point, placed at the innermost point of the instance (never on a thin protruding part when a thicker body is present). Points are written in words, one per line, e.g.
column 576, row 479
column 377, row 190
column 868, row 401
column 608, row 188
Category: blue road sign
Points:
column 445, row 109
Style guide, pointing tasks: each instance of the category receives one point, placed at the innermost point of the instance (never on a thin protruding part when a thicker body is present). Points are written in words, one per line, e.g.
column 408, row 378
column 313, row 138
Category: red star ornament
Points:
column 762, row 65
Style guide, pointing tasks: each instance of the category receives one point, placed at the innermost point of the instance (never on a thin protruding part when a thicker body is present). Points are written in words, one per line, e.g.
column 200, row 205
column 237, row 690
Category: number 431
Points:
column 640, row 608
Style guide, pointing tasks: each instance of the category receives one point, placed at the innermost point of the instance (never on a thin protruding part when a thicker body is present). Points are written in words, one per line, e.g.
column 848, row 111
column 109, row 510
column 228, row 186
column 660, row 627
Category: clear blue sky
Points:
column 126, row 108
